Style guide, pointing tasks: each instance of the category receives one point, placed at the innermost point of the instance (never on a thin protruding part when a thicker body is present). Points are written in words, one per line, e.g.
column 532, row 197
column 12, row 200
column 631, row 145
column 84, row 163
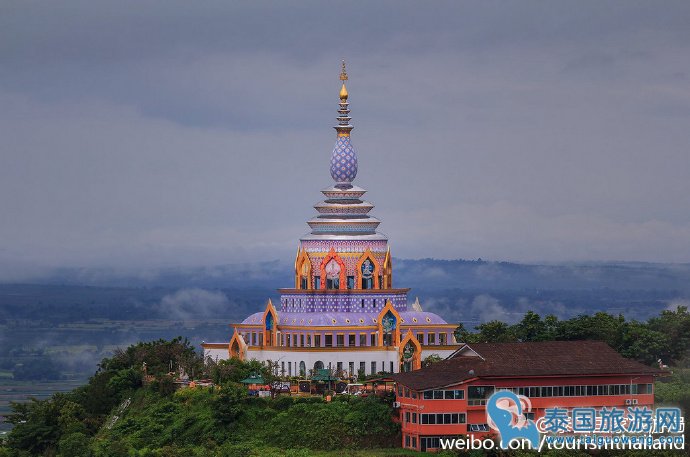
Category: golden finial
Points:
column 343, row 78
column 343, row 73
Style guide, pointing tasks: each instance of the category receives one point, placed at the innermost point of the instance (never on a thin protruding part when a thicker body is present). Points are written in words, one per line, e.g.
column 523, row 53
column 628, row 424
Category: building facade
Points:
column 343, row 311
column 449, row 398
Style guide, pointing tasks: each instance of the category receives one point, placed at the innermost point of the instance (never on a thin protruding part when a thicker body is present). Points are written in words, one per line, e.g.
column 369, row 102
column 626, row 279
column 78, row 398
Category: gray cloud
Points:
column 175, row 133
column 194, row 304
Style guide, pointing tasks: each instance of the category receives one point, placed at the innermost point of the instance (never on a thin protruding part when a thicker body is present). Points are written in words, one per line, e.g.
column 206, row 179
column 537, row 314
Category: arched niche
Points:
column 270, row 325
column 303, row 271
column 388, row 323
column 237, row 347
column 367, row 271
column 332, row 256
column 410, row 352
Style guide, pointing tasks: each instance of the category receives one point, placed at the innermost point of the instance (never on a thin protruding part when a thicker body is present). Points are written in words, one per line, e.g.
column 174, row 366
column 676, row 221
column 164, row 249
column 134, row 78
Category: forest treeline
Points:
column 665, row 337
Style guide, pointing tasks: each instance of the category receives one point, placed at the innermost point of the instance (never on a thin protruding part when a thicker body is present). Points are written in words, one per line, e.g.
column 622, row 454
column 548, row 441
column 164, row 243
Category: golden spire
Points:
column 343, row 78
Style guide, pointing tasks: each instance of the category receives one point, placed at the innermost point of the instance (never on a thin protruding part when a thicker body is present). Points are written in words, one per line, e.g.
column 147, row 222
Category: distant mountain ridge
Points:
column 418, row 273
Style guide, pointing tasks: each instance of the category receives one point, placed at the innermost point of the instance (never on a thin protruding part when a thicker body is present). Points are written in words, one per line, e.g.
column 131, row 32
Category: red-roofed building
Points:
column 448, row 398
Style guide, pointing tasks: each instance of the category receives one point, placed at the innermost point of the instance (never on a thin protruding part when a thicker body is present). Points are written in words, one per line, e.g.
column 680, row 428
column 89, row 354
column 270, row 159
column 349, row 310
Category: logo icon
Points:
column 504, row 413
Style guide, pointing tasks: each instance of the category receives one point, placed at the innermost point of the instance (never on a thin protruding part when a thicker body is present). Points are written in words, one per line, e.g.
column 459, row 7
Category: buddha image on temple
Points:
column 343, row 313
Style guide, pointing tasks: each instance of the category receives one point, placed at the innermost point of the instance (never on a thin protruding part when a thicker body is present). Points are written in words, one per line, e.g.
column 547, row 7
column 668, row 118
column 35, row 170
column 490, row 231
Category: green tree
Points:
column 530, row 328
column 601, row 326
column 430, row 360
column 74, row 445
column 462, row 335
column 159, row 357
column 494, row 332
column 36, row 428
column 228, row 404
column 675, row 325
column 645, row 345
column 232, row 370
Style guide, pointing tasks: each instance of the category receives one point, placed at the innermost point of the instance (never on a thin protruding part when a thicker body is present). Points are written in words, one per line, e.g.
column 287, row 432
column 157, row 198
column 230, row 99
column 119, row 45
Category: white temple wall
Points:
column 292, row 358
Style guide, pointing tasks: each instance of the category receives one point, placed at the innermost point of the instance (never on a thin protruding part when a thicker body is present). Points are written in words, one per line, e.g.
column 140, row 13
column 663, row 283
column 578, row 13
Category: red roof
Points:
column 533, row 359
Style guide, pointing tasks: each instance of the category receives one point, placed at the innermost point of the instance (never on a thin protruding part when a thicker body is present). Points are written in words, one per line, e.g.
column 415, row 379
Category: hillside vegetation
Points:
column 116, row 415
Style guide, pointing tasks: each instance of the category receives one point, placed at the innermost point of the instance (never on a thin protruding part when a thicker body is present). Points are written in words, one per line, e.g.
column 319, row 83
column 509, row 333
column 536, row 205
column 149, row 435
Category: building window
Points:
column 442, row 418
column 373, row 340
column 362, row 339
column 453, row 394
column 367, row 271
column 350, row 282
column 332, row 275
column 289, row 368
column 317, row 341
column 414, row 418
column 477, row 395
column 352, row 368
column 340, row 340
column 362, row 303
column 407, row 417
column 288, row 340
column 363, row 368
column 407, row 439
column 442, row 339
column 431, row 338
column 339, row 367
column 302, row 369
column 477, row 427
column 420, row 338
column 301, row 339
column 308, row 341
column 351, row 339
column 328, row 340
column 373, row 367
column 414, row 442
column 392, row 366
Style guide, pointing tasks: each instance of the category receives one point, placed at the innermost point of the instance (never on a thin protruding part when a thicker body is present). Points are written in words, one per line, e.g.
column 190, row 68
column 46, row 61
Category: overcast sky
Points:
column 183, row 133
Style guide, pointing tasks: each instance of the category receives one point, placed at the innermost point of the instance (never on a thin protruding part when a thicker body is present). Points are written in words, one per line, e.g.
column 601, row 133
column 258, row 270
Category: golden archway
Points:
column 416, row 359
column 237, row 347
column 387, row 270
column 379, row 324
column 358, row 269
column 270, row 325
column 332, row 255
column 303, row 271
